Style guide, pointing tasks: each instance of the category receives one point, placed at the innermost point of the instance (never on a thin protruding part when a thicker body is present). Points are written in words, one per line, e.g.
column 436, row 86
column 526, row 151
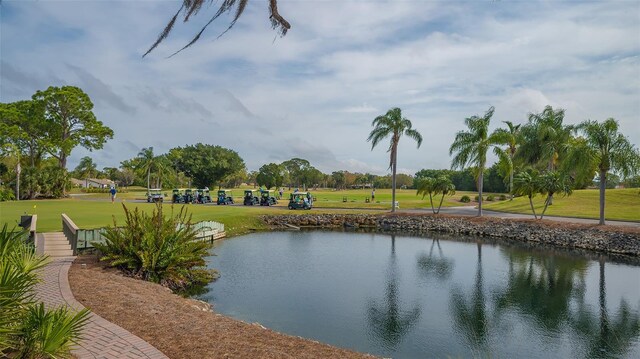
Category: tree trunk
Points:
column 440, row 206
column 547, row 202
column 532, row 208
column 148, row 179
column 431, row 200
column 480, row 180
column 603, row 186
column 394, row 165
column 18, row 170
column 511, row 184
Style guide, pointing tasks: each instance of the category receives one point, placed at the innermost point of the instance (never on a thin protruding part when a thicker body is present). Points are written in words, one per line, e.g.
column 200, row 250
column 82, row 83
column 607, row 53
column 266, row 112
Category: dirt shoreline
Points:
column 182, row 327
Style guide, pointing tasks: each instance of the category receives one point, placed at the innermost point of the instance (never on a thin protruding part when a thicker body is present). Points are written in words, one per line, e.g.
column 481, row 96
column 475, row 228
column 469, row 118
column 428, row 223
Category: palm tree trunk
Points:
column 148, row 179
column 547, row 202
column 431, row 200
column 603, row 186
column 511, row 184
column 18, row 170
column 532, row 208
column 480, row 180
column 440, row 206
column 394, row 165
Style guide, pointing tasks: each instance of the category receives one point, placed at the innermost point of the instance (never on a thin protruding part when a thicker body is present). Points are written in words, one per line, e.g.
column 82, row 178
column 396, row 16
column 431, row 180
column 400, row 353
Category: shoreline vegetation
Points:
column 187, row 328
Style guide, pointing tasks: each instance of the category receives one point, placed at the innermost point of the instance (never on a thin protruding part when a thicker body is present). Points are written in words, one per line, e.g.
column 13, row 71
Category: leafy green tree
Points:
column 24, row 125
column 609, row 150
column 470, row 148
column 338, row 179
column 553, row 182
column 296, row 168
column 147, row 163
column 270, row 175
column 192, row 7
column 392, row 124
column 69, row 122
column 207, row 165
column 526, row 183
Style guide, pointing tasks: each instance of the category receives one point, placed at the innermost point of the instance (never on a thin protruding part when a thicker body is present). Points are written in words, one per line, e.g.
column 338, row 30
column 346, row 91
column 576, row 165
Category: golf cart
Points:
column 300, row 200
column 155, row 195
column 225, row 197
column 188, row 195
column 205, row 196
column 177, row 196
column 251, row 197
column 268, row 198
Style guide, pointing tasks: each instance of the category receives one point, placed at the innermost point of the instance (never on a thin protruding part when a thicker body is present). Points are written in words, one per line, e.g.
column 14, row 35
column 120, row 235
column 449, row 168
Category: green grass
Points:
column 620, row 204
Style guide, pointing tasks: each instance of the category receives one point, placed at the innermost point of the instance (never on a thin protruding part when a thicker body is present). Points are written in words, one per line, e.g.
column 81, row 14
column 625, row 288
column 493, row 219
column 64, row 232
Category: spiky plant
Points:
column 158, row 249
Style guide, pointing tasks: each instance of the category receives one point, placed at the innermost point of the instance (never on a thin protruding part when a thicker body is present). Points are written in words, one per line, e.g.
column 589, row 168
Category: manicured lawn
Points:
column 621, row 204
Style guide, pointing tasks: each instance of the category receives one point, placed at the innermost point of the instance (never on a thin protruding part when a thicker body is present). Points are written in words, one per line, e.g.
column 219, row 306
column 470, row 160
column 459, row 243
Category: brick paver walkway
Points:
column 101, row 338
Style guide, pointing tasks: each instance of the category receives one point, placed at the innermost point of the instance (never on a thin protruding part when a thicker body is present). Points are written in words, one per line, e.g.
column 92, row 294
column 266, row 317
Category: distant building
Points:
column 93, row 183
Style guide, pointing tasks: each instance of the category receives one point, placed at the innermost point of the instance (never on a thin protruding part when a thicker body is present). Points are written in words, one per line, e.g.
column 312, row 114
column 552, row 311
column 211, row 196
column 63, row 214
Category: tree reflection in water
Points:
column 471, row 318
column 440, row 267
column 387, row 320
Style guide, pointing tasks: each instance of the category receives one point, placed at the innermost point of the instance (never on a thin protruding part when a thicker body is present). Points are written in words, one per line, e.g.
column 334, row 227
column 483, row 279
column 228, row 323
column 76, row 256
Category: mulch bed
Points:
column 182, row 327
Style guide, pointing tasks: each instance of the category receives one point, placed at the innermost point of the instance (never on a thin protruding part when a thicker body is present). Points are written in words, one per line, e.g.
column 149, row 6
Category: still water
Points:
column 416, row 297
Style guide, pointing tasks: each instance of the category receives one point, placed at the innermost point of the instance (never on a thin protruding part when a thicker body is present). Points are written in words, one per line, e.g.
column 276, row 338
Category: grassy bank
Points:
column 621, row 204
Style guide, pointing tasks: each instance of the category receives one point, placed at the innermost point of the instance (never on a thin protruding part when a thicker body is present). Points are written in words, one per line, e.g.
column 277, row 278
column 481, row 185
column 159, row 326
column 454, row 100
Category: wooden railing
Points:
column 70, row 231
column 32, row 228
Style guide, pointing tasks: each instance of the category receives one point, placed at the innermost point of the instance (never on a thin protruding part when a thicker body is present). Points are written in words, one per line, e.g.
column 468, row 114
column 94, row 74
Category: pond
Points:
column 413, row 297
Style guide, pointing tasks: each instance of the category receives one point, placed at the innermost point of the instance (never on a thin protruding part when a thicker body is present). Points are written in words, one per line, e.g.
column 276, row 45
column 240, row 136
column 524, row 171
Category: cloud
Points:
column 99, row 91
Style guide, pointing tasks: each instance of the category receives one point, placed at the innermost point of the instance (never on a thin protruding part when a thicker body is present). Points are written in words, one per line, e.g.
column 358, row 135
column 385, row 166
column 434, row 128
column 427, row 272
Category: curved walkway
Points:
column 101, row 338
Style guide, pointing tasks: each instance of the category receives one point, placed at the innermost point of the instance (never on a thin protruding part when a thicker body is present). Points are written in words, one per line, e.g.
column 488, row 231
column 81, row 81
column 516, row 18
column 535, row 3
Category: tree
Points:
column 192, row 7
column 295, row 170
column 544, row 139
column 470, row 148
column 526, row 183
column 270, row 175
column 509, row 137
column 147, row 163
column 85, row 169
column 610, row 151
column 207, row 165
column 338, row 179
column 392, row 124
column 552, row 182
column 435, row 186
column 69, row 122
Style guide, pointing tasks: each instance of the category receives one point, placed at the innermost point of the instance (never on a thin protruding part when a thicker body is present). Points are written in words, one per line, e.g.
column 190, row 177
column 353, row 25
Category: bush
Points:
column 158, row 249
column 465, row 199
column 27, row 329
column 6, row 194
column 503, row 197
column 477, row 198
column 491, row 197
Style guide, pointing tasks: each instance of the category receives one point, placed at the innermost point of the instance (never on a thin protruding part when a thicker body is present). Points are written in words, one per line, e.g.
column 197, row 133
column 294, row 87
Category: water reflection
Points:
column 387, row 319
column 470, row 311
column 440, row 267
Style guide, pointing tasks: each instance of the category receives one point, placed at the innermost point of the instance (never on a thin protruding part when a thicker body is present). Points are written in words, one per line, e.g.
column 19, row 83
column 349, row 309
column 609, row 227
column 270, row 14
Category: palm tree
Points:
column 392, row 123
column 192, row 7
column 552, row 182
column 609, row 150
column 470, row 147
column 147, row 163
column 86, row 168
column 544, row 139
column 434, row 186
column 511, row 138
column 526, row 183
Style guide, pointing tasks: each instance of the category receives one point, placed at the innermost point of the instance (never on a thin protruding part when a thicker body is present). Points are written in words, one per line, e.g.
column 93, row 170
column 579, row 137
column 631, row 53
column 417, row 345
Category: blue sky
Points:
column 314, row 92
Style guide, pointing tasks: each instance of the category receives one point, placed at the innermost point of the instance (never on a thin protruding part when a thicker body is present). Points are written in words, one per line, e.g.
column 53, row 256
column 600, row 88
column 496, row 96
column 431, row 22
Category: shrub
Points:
column 158, row 249
column 27, row 329
column 491, row 197
column 6, row 194
column 503, row 197
column 477, row 198
column 465, row 199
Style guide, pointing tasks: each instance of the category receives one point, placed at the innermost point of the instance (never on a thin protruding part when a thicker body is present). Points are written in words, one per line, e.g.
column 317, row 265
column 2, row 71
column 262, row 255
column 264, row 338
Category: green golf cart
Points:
column 177, row 196
column 225, row 197
column 251, row 197
column 268, row 198
column 300, row 200
column 188, row 195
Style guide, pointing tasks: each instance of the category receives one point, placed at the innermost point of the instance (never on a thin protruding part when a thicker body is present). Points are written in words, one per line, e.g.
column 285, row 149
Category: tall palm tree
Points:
column 609, row 150
column 511, row 138
column 192, row 7
column 470, row 147
column 392, row 124
column 147, row 163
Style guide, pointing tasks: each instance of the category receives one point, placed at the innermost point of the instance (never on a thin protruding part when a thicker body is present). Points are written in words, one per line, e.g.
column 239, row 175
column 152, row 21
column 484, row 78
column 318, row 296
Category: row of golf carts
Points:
column 297, row 200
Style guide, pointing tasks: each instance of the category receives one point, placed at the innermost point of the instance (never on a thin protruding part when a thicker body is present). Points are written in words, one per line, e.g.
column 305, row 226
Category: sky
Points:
column 314, row 92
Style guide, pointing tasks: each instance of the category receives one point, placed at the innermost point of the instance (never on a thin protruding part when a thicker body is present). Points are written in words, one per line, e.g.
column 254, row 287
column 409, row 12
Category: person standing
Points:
column 373, row 195
column 113, row 194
